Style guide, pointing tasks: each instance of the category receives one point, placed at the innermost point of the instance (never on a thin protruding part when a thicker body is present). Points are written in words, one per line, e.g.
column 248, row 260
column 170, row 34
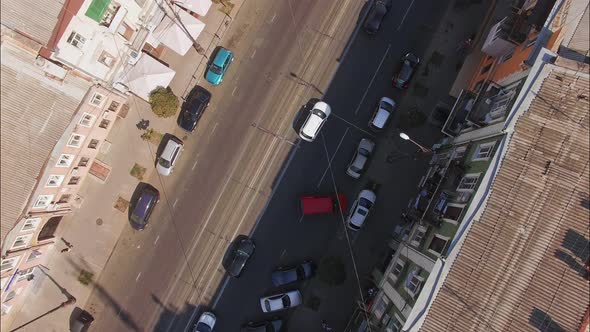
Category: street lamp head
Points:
column 404, row 136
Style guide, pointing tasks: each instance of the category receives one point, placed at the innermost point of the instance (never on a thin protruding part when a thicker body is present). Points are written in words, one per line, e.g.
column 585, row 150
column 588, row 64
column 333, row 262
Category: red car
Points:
column 311, row 205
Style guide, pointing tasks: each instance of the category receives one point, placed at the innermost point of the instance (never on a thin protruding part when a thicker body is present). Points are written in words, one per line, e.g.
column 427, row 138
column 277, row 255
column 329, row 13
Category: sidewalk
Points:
column 96, row 227
column 398, row 177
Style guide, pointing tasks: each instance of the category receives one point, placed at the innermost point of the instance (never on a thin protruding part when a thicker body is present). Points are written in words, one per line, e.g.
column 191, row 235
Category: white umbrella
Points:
column 146, row 75
column 200, row 7
column 172, row 32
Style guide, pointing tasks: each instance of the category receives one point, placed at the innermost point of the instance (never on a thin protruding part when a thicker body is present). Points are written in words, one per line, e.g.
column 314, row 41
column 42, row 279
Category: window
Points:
column 106, row 59
column 43, row 201
column 3, row 282
column 381, row 306
column 22, row 241
column 104, row 124
column 76, row 40
column 97, row 99
column 438, row 244
column 483, row 151
column 83, row 162
column 33, row 255
column 5, row 308
column 486, row 69
column 459, row 152
column 414, row 283
column 73, row 181
column 468, row 182
column 113, row 106
column 399, row 266
column 31, row 224
column 419, row 236
column 75, row 140
column 87, row 120
column 9, row 263
column 395, row 324
column 64, row 198
column 93, row 144
column 24, row 274
column 65, row 160
column 54, row 181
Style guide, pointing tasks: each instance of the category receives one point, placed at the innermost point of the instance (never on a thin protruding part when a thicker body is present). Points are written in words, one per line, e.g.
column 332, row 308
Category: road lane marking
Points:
column 176, row 201
column 195, row 165
column 253, row 53
column 283, row 253
column 157, row 238
column 332, row 158
column 301, row 218
column 233, row 92
column 138, row 275
column 273, row 17
column 372, row 79
column 353, row 125
column 214, row 127
column 406, row 14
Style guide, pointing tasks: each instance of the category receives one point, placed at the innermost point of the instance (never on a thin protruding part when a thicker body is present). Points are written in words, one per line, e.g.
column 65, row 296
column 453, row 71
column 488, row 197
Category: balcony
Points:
column 458, row 115
column 493, row 104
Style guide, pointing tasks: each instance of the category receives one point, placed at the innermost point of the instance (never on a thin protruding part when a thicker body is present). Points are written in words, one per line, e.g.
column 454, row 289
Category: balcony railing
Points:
column 458, row 115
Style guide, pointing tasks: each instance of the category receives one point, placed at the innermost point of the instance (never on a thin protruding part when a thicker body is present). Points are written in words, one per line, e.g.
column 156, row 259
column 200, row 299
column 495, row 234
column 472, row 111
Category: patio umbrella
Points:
column 173, row 32
column 201, row 7
column 146, row 75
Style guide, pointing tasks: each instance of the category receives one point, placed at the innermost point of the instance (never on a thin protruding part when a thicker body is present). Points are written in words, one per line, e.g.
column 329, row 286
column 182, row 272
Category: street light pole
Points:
column 407, row 138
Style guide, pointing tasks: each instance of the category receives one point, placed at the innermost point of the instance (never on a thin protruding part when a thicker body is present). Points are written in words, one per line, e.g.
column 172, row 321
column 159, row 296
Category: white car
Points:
column 281, row 301
column 206, row 322
column 315, row 120
column 361, row 157
column 382, row 114
column 169, row 156
column 360, row 209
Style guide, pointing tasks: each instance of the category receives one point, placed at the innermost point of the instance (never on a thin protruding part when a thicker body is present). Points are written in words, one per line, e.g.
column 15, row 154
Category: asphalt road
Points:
column 283, row 236
column 156, row 279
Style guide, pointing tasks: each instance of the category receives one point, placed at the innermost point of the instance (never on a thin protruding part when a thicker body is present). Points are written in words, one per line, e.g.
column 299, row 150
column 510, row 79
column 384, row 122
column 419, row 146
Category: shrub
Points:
column 164, row 103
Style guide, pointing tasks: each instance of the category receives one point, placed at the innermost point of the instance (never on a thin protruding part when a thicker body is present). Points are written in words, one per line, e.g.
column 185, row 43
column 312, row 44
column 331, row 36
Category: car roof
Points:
column 146, row 197
column 381, row 118
column 312, row 125
column 221, row 55
column 171, row 145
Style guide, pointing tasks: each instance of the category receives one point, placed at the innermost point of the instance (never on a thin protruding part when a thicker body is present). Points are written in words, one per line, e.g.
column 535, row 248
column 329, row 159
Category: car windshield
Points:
column 365, row 203
column 164, row 163
column 319, row 113
column 355, row 169
column 362, row 212
column 364, row 152
column 202, row 327
column 286, row 301
column 386, row 106
column 216, row 69
column 267, row 305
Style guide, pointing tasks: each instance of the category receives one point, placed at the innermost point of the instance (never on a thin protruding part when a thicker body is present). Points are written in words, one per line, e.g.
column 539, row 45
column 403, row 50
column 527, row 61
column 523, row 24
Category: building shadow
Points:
column 176, row 319
column 543, row 321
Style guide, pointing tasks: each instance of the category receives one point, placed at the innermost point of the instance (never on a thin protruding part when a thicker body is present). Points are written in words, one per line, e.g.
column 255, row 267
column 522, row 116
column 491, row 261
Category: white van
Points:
column 315, row 120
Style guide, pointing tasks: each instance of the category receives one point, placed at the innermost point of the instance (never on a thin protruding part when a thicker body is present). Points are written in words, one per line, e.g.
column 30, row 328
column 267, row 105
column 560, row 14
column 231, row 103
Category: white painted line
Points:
column 273, row 18
column 157, row 238
column 301, row 218
column 214, row 127
column 253, row 53
column 138, row 275
column 195, row 164
column 176, row 201
column 332, row 158
column 283, row 253
column 233, row 92
column 372, row 79
column 353, row 125
column 406, row 14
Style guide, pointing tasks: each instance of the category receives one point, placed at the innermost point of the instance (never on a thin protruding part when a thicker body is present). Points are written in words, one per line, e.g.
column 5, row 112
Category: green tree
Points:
column 164, row 103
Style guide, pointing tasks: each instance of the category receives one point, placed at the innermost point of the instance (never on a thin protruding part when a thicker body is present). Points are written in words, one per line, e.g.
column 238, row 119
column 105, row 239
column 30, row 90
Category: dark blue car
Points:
column 284, row 275
column 147, row 199
column 219, row 66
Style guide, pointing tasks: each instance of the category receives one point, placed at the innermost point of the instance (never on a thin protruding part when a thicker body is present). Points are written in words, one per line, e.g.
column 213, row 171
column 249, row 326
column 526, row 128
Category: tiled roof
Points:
column 35, row 111
column 34, row 18
column 522, row 265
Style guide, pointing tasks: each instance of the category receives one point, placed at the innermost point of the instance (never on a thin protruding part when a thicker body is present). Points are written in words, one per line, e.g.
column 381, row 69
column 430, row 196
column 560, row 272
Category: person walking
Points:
column 325, row 326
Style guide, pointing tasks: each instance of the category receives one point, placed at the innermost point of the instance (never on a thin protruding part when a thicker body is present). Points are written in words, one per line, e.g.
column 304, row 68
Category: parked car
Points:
column 315, row 120
column 218, row 67
column 281, row 301
column 284, row 275
column 206, row 322
column 311, row 205
column 402, row 78
column 237, row 255
column 360, row 159
column 169, row 156
column 194, row 107
column 82, row 321
column 382, row 114
column 360, row 209
column 147, row 199
column 375, row 17
column 273, row 325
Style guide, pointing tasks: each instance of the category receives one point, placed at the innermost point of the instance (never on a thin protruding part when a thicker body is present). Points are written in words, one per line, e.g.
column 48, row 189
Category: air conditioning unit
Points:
column 134, row 57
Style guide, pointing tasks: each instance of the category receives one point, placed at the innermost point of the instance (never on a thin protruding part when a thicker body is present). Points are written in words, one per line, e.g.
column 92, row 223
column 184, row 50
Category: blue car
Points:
column 219, row 66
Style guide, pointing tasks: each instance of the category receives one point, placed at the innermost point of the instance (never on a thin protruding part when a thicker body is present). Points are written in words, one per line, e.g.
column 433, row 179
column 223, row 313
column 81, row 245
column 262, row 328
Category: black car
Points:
column 194, row 107
column 284, row 275
column 273, row 325
column 375, row 17
column 408, row 67
column 236, row 256
column 147, row 199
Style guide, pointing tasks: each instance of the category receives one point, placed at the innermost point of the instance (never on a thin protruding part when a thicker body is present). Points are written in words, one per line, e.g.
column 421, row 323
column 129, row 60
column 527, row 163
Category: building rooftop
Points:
column 35, row 112
column 523, row 264
column 17, row 15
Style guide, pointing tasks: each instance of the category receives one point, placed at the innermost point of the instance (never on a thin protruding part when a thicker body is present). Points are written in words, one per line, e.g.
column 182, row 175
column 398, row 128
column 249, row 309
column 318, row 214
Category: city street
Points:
column 245, row 154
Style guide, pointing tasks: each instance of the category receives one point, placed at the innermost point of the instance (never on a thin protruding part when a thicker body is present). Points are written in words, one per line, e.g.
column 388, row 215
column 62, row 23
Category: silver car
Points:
column 206, row 322
column 360, row 159
column 360, row 209
column 169, row 156
column 281, row 301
